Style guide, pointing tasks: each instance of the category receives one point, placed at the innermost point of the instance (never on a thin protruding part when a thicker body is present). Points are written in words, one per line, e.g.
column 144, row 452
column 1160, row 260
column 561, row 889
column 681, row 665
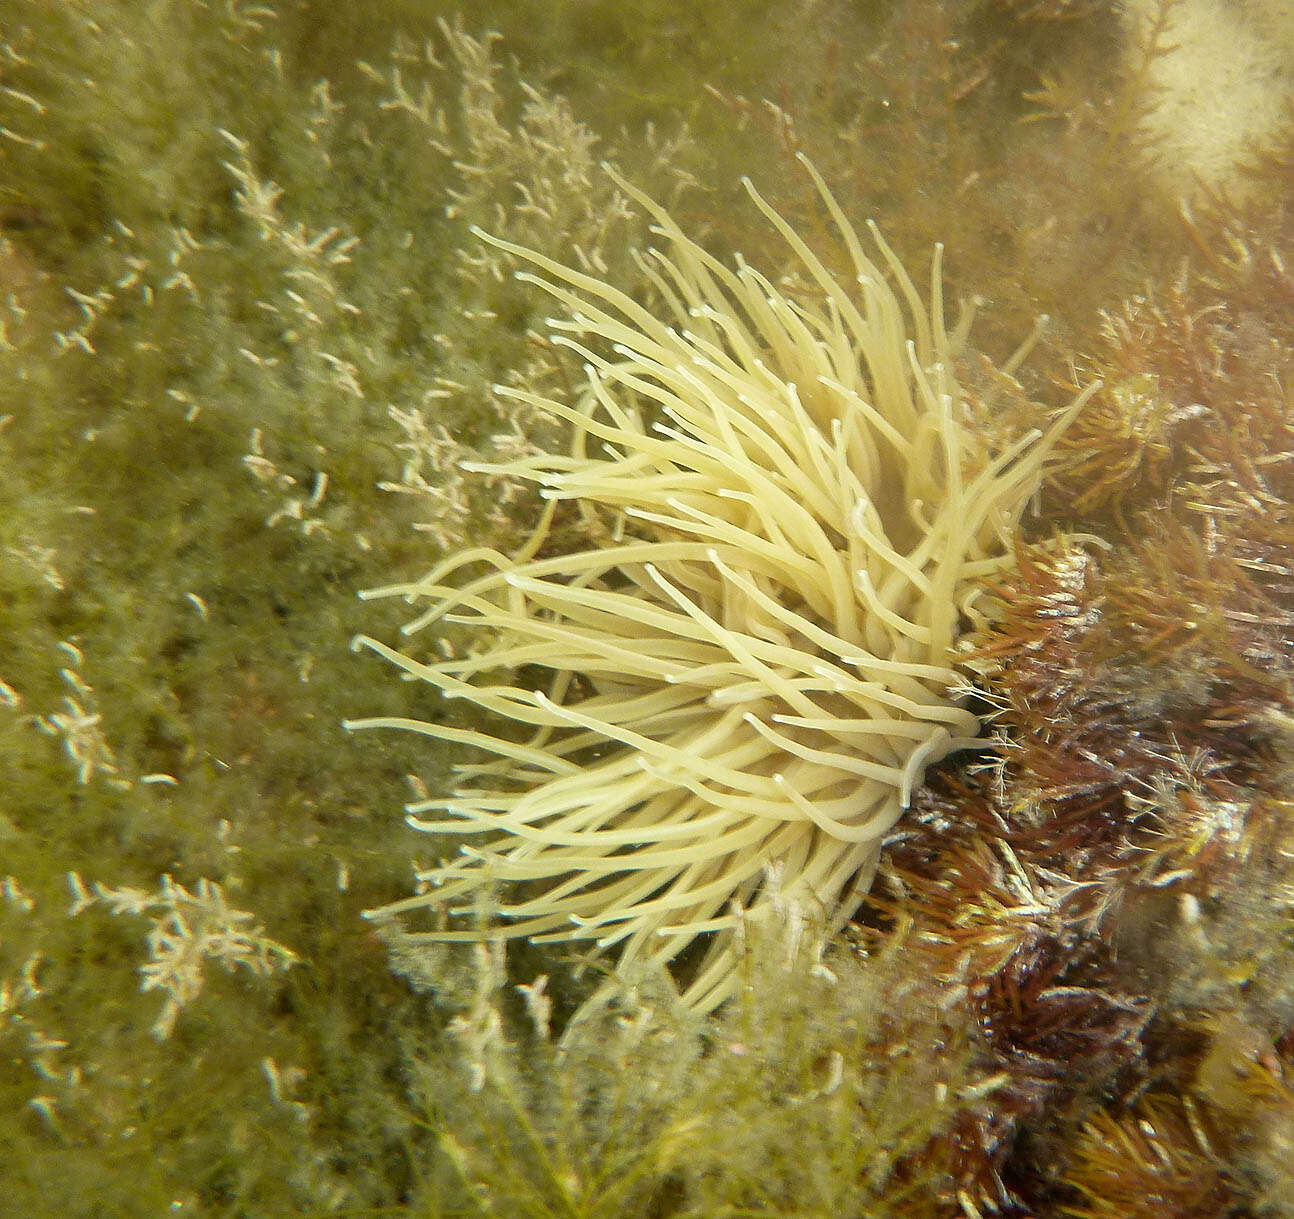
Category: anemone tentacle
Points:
column 767, row 657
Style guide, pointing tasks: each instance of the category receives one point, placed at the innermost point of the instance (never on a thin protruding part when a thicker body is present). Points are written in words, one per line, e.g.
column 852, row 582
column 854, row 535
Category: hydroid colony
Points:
column 741, row 685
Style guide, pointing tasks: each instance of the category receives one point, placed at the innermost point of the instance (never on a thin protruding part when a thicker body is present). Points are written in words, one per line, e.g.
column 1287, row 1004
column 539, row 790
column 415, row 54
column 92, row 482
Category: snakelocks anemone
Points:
column 730, row 702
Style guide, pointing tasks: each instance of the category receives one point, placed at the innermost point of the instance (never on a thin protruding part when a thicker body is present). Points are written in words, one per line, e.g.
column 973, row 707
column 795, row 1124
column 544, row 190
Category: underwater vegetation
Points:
column 254, row 360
